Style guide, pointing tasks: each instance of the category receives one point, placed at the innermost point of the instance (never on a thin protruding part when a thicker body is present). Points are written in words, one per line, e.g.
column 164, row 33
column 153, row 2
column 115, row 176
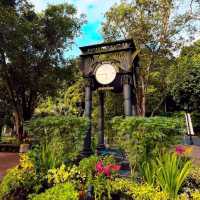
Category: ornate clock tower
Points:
column 108, row 66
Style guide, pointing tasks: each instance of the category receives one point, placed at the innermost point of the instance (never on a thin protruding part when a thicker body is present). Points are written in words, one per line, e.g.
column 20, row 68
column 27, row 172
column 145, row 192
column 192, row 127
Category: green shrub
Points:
column 172, row 173
column 70, row 129
column 102, row 187
column 149, row 172
column 137, row 192
column 20, row 181
column 87, row 165
column 66, row 174
column 83, row 175
column 196, row 195
column 59, row 192
column 48, row 155
column 143, row 138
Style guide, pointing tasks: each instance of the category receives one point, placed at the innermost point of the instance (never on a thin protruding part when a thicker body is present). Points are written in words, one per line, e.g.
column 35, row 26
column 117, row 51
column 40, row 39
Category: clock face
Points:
column 105, row 73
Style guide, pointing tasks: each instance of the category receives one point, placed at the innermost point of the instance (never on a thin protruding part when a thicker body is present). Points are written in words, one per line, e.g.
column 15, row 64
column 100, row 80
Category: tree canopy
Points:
column 157, row 27
column 32, row 52
column 184, row 78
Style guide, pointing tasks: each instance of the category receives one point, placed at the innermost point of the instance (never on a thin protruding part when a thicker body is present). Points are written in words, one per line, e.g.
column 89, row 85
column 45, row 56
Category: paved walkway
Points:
column 195, row 154
column 7, row 161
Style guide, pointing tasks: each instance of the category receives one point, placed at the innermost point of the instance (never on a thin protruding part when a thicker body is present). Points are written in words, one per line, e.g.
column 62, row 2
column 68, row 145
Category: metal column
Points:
column 101, row 144
column 88, row 112
column 127, row 96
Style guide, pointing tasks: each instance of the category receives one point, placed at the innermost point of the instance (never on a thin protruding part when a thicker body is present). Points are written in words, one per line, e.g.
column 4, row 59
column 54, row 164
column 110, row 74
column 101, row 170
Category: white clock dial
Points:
column 105, row 74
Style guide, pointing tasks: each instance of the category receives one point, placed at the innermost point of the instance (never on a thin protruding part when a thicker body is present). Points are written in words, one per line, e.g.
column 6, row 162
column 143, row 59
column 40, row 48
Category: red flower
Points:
column 107, row 169
column 99, row 167
column 180, row 150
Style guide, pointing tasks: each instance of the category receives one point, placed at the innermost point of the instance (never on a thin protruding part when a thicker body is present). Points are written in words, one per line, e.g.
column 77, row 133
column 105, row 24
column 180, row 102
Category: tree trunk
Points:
column 140, row 97
column 18, row 124
column 158, row 106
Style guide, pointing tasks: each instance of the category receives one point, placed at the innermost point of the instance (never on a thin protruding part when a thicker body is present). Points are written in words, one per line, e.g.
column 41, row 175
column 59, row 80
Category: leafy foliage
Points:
column 102, row 187
column 66, row 174
column 83, row 176
column 185, row 78
column 69, row 130
column 196, row 195
column 73, row 95
column 58, row 192
column 48, row 155
column 69, row 94
column 152, row 192
column 157, row 29
column 172, row 173
column 32, row 53
column 143, row 138
column 20, row 181
column 137, row 192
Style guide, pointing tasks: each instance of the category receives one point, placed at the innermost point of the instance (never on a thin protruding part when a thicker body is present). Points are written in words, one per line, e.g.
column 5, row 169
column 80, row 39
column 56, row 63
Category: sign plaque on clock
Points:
column 108, row 66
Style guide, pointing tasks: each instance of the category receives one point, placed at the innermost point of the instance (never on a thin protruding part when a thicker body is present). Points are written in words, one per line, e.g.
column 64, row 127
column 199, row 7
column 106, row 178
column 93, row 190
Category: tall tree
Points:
column 32, row 47
column 156, row 30
column 184, row 78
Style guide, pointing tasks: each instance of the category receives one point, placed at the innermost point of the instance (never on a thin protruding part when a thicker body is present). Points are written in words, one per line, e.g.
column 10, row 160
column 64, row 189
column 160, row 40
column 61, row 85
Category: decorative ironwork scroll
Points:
column 121, row 53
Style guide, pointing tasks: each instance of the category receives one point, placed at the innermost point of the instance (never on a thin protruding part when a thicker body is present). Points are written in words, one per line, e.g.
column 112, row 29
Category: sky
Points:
column 91, row 31
column 94, row 11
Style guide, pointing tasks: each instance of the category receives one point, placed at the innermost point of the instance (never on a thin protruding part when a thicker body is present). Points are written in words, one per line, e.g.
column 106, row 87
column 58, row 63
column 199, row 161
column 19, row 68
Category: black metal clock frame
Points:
column 124, row 56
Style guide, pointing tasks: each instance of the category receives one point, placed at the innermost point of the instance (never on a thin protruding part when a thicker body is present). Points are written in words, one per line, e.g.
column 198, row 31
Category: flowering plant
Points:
column 106, row 170
column 182, row 150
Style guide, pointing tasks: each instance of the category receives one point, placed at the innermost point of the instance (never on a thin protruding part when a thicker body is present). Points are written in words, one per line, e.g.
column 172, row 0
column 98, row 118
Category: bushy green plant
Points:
column 87, row 166
column 83, row 175
column 59, row 175
column 59, row 192
column 100, row 182
column 66, row 174
column 102, row 187
column 137, row 192
column 143, row 138
column 20, row 181
column 48, row 155
column 196, row 195
column 84, row 172
column 149, row 172
column 169, row 172
column 172, row 172
column 70, row 129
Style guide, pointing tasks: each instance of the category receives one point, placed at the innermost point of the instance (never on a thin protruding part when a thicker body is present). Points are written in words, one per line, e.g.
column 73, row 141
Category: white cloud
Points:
column 93, row 9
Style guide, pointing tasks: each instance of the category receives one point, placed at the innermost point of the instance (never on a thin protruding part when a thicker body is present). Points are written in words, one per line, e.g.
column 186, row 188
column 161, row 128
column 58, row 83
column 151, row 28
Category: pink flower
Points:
column 180, row 150
column 107, row 170
column 99, row 167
